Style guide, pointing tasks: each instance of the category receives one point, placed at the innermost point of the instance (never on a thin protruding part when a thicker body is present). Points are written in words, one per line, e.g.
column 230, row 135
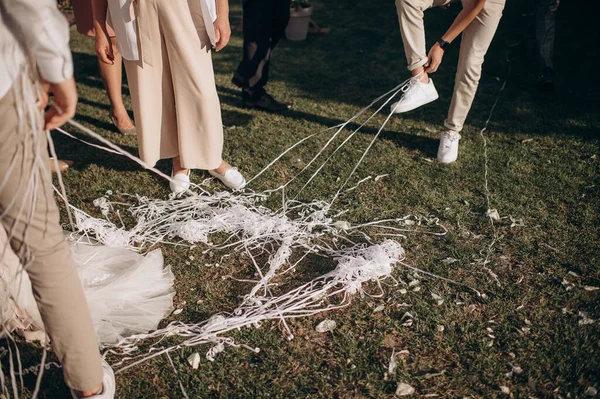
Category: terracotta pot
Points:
column 297, row 28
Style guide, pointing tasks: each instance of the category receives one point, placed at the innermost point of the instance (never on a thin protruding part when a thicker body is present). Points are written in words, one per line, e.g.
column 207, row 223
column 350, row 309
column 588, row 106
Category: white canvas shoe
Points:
column 181, row 182
column 109, row 385
column 448, row 149
column 232, row 178
column 417, row 94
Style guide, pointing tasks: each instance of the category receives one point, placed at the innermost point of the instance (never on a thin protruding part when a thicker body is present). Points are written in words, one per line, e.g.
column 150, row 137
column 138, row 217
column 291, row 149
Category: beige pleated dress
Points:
column 172, row 86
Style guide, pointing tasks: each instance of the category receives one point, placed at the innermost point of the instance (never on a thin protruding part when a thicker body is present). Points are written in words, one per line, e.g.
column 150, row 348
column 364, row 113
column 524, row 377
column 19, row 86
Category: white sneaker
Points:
column 417, row 94
column 109, row 385
column 448, row 149
column 181, row 182
column 232, row 178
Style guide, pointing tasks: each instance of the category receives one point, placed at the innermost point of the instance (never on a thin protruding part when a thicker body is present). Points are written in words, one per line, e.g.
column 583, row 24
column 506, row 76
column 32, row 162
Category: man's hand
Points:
column 104, row 47
column 64, row 104
column 222, row 33
column 434, row 58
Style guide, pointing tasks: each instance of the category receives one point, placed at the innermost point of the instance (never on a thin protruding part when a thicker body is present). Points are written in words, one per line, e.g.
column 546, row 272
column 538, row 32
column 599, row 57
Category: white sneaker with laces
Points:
column 448, row 149
column 109, row 385
column 417, row 94
column 180, row 183
column 232, row 178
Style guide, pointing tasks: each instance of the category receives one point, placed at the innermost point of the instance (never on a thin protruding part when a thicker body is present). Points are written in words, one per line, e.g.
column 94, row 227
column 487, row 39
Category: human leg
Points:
column 112, row 78
column 420, row 90
column 475, row 42
column 264, row 25
column 258, row 32
column 152, row 94
column 198, row 111
column 412, row 29
column 31, row 219
column 545, row 33
column 281, row 18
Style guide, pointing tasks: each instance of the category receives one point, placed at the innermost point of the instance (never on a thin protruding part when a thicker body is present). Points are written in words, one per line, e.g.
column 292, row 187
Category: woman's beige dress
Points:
column 173, row 92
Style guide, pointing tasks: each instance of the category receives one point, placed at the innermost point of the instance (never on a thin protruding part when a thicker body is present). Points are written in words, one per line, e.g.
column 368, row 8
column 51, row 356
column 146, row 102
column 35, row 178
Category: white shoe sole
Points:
column 447, row 160
column 227, row 183
column 398, row 109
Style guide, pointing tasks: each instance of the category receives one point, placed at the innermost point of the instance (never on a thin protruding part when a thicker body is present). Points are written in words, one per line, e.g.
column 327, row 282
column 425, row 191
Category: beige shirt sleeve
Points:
column 45, row 31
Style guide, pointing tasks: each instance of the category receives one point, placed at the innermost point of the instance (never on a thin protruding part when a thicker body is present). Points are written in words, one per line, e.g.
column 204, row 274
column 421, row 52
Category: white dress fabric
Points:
column 127, row 293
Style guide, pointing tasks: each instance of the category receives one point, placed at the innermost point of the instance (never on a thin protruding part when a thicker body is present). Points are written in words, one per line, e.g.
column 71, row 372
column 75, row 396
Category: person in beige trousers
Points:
column 477, row 22
column 166, row 45
column 36, row 30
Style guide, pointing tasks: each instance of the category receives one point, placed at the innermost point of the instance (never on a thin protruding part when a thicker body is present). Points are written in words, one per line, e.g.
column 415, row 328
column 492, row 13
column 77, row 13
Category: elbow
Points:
column 478, row 6
column 475, row 7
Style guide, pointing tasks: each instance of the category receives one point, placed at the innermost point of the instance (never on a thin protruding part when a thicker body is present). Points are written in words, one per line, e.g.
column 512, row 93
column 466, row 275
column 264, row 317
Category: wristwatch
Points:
column 443, row 44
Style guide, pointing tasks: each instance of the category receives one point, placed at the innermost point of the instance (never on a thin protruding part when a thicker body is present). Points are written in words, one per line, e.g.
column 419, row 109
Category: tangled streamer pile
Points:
column 285, row 237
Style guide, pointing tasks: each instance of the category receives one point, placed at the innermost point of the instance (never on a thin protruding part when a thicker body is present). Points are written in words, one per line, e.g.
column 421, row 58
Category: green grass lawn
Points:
column 543, row 169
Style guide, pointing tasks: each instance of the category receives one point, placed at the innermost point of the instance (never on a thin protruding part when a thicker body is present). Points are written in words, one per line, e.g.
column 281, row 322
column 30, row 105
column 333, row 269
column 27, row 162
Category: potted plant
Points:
column 300, row 13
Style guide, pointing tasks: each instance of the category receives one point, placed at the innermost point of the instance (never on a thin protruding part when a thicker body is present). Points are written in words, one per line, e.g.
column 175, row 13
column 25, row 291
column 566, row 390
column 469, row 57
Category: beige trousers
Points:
column 31, row 218
column 173, row 92
column 475, row 42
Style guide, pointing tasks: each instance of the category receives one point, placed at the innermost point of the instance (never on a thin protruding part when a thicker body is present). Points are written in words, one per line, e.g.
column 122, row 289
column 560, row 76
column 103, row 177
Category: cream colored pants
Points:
column 31, row 218
column 475, row 42
column 173, row 92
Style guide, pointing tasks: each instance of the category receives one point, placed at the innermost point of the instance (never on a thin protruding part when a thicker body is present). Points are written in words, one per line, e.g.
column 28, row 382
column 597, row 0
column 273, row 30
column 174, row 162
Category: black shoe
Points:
column 546, row 80
column 237, row 80
column 265, row 102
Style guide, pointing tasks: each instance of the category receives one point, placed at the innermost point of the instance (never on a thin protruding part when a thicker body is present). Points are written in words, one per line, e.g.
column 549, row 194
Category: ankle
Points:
column 420, row 75
column 90, row 393
column 119, row 111
column 222, row 168
column 177, row 168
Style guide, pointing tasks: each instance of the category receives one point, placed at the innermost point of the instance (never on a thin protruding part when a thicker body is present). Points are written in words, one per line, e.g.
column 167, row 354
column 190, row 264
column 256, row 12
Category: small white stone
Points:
column 505, row 390
column 379, row 308
column 440, row 328
column 438, row 299
column 493, row 214
column 326, row 326
column 177, row 311
column 404, row 389
column 393, row 364
column 194, row 360
column 590, row 392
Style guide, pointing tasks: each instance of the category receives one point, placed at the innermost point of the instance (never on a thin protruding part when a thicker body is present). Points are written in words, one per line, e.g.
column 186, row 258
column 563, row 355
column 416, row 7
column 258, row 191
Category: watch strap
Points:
column 444, row 44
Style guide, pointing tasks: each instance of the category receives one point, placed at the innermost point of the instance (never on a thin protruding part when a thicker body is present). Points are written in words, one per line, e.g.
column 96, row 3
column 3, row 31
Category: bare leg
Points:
column 223, row 168
column 178, row 169
column 177, row 166
column 112, row 77
column 420, row 71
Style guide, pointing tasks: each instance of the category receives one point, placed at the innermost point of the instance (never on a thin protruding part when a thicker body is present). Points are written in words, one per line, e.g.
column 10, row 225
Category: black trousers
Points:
column 264, row 25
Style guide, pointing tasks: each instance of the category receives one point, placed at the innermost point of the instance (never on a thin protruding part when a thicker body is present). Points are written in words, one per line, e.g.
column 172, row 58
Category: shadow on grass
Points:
column 359, row 60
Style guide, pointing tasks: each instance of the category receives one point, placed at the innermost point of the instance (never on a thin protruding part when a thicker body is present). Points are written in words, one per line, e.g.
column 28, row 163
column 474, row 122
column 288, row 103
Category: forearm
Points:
column 99, row 9
column 463, row 19
column 222, row 9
